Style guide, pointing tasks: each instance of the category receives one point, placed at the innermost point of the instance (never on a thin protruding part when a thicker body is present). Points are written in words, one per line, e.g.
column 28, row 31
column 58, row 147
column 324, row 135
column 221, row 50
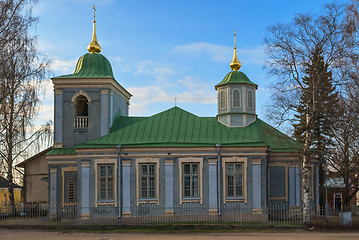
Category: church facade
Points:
column 110, row 164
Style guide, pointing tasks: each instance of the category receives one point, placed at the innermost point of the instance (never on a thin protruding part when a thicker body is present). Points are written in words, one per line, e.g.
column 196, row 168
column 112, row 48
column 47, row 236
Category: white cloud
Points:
column 46, row 113
column 117, row 59
column 64, row 67
column 47, row 92
column 46, row 107
column 150, row 94
column 219, row 53
column 195, row 91
column 155, row 69
column 216, row 53
column 190, row 91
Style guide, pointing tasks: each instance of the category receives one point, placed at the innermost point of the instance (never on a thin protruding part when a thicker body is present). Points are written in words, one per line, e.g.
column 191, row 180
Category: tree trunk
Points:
column 11, row 190
column 306, row 169
column 306, row 190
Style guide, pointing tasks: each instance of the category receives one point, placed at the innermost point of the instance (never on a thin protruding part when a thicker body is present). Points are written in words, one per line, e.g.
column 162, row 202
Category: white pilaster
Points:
column 212, row 186
column 53, row 193
column 169, row 187
column 126, row 189
column 85, row 189
column 257, row 185
column 104, row 112
column 58, row 118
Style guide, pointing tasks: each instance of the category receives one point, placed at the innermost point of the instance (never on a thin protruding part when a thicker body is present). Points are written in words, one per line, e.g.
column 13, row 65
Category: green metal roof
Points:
column 91, row 65
column 122, row 121
column 62, row 151
column 174, row 126
column 235, row 77
column 177, row 127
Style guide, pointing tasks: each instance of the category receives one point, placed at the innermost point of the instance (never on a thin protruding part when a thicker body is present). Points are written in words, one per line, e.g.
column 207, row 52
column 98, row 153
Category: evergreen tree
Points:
column 320, row 101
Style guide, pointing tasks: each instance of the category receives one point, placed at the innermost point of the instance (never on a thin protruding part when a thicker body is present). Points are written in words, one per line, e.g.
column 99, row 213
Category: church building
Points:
column 108, row 163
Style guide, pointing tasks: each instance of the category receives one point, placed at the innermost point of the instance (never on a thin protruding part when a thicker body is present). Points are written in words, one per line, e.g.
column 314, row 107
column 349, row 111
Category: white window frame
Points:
column 242, row 160
column 147, row 160
column 223, row 99
column 239, row 98
column 106, row 177
column 199, row 161
column 252, row 99
column 234, row 175
column 191, row 176
column 106, row 161
column 147, row 177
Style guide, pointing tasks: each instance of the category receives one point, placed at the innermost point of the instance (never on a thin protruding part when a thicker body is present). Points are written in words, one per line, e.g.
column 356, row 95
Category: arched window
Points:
column 81, row 106
column 223, row 100
column 236, row 98
column 249, row 99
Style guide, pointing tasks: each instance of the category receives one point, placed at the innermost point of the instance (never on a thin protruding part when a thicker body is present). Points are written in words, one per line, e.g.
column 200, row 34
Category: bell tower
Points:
column 236, row 96
column 87, row 101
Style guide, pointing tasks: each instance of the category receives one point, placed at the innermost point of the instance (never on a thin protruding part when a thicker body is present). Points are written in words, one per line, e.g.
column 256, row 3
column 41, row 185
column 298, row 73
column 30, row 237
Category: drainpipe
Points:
column 119, row 182
column 219, row 189
column 267, row 176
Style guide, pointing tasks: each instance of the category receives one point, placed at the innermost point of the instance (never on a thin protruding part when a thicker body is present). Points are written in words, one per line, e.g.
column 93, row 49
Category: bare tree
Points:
column 351, row 62
column 21, row 70
column 344, row 157
column 12, row 24
column 290, row 48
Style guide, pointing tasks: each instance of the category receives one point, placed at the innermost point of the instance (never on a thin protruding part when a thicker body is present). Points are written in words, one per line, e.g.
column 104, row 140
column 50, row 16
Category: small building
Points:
column 35, row 178
column 5, row 207
column 107, row 163
column 335, row 188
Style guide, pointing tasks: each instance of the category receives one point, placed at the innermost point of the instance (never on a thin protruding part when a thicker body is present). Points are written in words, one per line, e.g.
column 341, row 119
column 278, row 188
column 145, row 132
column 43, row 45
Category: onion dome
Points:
column 92, row 64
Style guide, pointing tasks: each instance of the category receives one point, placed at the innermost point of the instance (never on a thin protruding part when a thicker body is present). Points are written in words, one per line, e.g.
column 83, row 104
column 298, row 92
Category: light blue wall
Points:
column 169, row 185
column 119, row 103
column 104, row 105
column 58, row 122
column 237, row 120
column 85, row 188
column 169, row 179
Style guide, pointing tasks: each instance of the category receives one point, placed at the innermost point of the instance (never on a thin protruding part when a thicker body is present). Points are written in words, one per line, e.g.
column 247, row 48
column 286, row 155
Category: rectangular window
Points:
column 147, row 181
column 105, row 182
column 234, row 178
column 190, row 180
column 249, row 99
column 236, row 98
column 223, row 100
column 71, row 191
column 278, row 182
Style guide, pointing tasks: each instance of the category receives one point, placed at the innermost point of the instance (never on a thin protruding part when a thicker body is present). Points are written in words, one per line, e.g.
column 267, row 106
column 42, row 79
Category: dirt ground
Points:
column 11, row 234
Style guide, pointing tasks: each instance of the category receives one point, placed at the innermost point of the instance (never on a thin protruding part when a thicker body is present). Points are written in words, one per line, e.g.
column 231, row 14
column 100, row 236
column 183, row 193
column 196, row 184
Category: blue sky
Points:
column 162, row 49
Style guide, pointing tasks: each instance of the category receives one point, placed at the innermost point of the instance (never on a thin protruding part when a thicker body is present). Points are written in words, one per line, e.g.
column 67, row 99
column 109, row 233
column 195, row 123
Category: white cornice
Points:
column 91, row 83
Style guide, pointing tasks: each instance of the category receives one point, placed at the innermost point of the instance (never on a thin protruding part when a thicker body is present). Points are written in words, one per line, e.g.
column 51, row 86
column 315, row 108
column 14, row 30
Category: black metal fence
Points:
column 243, row 214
